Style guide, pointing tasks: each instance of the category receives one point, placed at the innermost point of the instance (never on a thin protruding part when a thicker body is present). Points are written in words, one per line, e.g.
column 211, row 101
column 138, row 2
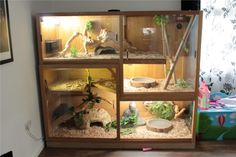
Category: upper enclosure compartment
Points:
column 134, row 37
column 157, row 38
column 72, row 38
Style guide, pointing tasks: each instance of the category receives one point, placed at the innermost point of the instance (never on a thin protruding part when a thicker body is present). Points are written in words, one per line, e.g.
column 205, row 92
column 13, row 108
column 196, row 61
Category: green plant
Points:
column 111, row 125
column 88, row 102
column 125, row 122
column 162, row 109
column 181, row 83
column 89, row 26
column 160, row 19
column 186, row 50
column 73, row 52
column 129, row 120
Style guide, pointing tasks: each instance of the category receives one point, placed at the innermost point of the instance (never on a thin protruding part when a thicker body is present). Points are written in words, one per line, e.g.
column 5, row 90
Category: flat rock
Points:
column 159, row 125
column 143, row 82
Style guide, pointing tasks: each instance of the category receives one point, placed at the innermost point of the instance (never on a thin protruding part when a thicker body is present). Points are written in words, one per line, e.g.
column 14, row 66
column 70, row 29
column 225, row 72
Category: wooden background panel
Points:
column 135, row 35
column 152, row 70
column 48, row 32
column 50, row 75
column 145, row 70
column 66, row 26
column 82, row 73
column 58, row 74
column 174, row 34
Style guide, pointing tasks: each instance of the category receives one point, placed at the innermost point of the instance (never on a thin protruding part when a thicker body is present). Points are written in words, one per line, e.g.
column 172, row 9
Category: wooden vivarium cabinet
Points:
column 119, row 79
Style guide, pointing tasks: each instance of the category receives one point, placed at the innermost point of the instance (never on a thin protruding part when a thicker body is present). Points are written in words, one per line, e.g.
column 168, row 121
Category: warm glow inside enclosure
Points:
column 142, row 125
column 73, row 93
column 136, row 74
column 71, row 37
column 119, row 79
column 103, row 37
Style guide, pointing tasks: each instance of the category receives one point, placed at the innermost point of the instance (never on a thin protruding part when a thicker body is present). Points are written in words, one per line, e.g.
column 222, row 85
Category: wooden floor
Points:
column 204, row 149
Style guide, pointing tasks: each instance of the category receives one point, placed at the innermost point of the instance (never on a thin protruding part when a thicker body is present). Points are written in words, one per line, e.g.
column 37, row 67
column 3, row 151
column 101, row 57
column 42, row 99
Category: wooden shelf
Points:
column 68, row 93
column 144, row 58
column 158, row 96
column 79, row 61
column 145, row 61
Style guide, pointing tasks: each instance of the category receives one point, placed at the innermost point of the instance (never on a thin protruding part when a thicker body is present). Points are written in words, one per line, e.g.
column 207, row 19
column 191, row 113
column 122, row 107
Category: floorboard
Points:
column 204, row 149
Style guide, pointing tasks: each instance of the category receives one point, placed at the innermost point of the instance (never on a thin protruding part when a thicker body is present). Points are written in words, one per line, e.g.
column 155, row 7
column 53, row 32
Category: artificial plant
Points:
column 73, row 52
column 88, row 102
column 181, row 83
column 162, row 109
column 89, row 26
column 126, row 123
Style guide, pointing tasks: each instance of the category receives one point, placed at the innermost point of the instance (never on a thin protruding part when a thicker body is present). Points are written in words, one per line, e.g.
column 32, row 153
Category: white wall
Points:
column 104, row 5
column 18, row 89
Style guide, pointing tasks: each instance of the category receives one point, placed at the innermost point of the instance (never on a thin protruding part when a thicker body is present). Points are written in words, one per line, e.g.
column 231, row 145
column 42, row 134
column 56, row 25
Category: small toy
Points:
column 203, row 96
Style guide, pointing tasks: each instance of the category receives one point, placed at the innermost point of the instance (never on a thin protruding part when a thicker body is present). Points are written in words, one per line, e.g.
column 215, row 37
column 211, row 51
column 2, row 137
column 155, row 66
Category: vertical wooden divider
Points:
column 197, row 69
column 120, row 73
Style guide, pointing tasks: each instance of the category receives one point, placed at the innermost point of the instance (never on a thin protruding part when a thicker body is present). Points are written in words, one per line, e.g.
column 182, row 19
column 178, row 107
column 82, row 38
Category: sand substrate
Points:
column 91, row 55
column 92, row 132
column 143, row 55
column 158, row 88
column 180, row 130
column 85, row 56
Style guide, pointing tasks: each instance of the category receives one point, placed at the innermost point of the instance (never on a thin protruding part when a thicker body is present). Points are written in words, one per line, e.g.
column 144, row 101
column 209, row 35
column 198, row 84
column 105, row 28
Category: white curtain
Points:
column 218, row 57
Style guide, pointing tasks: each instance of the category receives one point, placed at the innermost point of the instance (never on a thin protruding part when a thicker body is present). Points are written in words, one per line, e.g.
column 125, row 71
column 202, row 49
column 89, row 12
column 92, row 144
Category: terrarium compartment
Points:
column 155, row 119
column 152, row 78
column 80, row 37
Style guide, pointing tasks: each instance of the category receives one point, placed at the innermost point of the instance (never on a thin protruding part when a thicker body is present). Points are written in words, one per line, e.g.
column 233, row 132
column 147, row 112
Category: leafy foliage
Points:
column 181, row 83
column 88, row 102
column 186, row 50
column 73, row 52
column 160, row 19
column 129, row 120
column 162, row 109
column 89, row 26
column 111, row 125
column 126, row 123
column 91, row 99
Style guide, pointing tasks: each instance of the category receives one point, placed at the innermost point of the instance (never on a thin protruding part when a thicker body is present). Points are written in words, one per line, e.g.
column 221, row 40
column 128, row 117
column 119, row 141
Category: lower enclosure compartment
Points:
column 139, row 121
column 179, row 130
column 156, row 120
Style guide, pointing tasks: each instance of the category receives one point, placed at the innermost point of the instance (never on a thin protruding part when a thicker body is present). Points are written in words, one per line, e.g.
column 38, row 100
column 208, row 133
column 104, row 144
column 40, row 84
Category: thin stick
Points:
column 179, row 50
column 67, row 45
column 163, row 47
column 170, row 59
